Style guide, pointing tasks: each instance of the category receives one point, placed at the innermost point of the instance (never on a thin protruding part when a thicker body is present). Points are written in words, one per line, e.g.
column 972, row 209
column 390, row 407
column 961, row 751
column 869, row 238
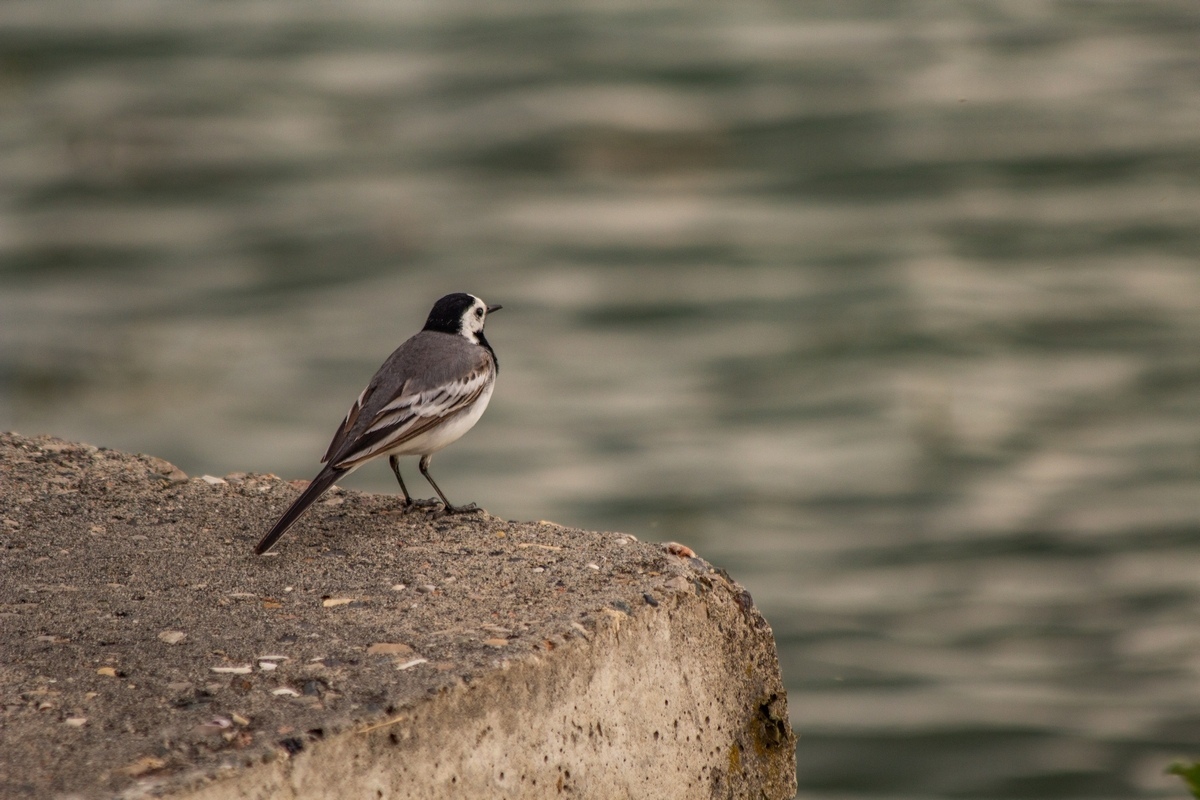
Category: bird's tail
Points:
column 316, row 488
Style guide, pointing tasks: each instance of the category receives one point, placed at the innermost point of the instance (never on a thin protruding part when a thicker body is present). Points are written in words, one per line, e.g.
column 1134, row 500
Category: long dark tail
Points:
column 318, row 487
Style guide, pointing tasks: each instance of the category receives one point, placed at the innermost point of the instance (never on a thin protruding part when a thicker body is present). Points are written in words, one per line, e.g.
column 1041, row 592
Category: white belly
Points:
column 448, row 432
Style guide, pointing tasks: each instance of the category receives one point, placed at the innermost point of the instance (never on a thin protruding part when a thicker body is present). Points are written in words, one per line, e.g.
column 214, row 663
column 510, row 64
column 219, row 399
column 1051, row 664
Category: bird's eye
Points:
column 479, row 312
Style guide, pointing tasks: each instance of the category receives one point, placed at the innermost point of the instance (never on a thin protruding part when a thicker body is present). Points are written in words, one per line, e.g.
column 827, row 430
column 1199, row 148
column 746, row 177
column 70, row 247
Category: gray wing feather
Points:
column 428, row 377
column 348, row 423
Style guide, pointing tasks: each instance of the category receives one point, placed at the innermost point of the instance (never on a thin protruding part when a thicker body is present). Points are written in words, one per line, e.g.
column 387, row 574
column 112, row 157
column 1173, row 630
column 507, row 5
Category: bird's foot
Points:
column 469, row 508
column 420, row 505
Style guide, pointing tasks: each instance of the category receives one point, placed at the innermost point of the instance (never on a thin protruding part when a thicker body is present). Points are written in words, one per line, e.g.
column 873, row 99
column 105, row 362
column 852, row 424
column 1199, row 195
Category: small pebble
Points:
column 165, row 470
column 213, row 480
column 539, row 569
column 76, row 722
column 243, row 670
column 333, row 602
column 649, row 598
column 411, row 664
column 593, row 566
column 143, row 765
column 172, row 637
column 678, row 584
column 398, row 587
column 285, row 692
column 681, row 550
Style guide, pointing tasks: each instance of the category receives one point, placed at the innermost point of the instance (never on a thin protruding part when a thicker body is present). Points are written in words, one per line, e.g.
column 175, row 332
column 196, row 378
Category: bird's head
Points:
column 461, row 313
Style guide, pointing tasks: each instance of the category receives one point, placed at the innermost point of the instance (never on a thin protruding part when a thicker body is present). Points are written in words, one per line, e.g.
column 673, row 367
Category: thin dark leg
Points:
column 395, row 462
column 450, row 509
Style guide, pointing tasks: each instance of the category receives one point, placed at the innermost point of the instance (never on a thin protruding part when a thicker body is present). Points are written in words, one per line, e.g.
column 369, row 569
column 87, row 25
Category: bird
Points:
column 429, row 392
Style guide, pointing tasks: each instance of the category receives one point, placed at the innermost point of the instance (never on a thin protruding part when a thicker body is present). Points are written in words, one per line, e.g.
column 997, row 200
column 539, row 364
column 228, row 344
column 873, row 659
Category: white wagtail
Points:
column 429, row 392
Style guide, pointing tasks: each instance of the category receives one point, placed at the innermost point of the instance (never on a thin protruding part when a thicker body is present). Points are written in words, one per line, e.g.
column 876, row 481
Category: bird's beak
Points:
column 490, row 309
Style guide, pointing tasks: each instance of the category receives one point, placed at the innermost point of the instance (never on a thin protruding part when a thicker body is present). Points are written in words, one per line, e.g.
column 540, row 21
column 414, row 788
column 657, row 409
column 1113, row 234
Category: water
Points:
column 891, row 308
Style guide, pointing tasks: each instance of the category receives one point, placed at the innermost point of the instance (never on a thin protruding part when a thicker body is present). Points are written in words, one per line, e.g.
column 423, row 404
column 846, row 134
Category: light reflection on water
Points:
column 892, row 309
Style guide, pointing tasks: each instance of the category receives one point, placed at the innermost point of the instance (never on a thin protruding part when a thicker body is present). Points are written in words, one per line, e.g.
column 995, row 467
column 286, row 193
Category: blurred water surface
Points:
column 892, row 308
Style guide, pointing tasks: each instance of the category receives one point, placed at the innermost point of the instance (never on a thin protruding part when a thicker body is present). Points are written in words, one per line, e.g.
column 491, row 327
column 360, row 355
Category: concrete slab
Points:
column 377, row 653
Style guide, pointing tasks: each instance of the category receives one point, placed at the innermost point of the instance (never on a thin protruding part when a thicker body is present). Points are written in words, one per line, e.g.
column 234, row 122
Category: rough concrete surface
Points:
column 378, row 653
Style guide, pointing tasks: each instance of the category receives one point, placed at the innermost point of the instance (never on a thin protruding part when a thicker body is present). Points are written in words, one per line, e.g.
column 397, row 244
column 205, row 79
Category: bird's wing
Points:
column 409, row 414
column 348, row 423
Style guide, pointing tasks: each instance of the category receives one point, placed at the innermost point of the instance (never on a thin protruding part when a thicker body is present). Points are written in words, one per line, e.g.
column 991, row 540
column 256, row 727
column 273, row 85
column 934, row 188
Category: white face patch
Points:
column 473, row 320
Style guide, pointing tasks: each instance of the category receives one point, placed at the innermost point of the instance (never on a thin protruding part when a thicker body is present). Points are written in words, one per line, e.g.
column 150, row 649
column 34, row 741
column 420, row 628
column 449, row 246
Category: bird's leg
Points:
column 409, row 503
column 450, row 509
column 395, row 462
